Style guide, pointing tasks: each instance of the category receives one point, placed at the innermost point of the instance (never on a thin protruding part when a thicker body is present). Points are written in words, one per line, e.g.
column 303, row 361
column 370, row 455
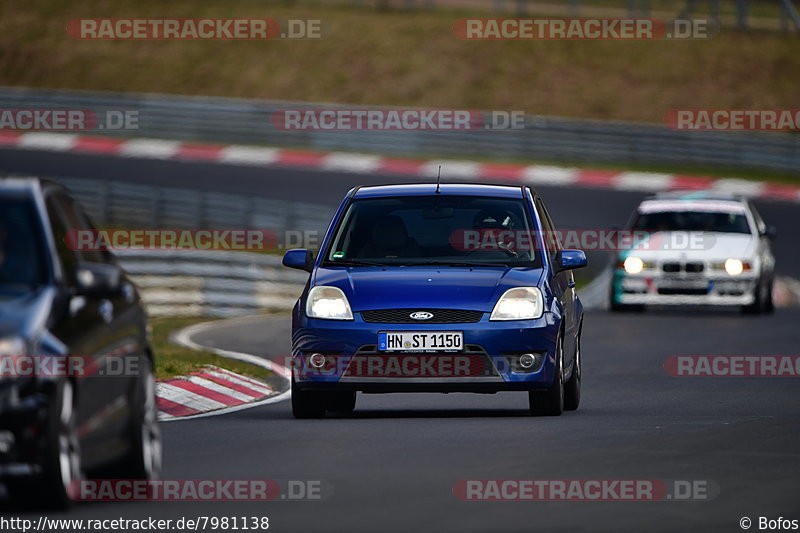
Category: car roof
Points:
column 445, row 189
column 26, row 185
column 696, row 195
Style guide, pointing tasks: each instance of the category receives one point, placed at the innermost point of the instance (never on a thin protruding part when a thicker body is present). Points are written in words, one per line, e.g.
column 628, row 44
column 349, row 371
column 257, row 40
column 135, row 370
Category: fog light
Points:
column 527, row 361
column 317, row 360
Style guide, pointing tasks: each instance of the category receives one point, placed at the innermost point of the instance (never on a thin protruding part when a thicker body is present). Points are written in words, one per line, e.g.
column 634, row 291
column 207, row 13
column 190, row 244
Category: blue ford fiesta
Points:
column 427, row 288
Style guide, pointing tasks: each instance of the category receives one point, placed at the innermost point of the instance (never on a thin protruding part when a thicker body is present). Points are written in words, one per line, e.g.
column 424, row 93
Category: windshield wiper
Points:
column 350, row 263
column 455, row 264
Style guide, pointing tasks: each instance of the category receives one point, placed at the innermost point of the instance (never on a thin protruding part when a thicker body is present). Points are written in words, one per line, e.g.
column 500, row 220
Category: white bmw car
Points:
column 696, row 249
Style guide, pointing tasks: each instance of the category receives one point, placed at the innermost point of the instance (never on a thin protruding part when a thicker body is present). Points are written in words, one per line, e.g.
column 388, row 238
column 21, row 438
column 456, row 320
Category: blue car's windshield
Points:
column 22, row 262
column 434, row 230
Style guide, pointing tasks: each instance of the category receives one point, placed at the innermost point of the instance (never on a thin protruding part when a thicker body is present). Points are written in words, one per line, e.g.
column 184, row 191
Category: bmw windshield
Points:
column 434, row 230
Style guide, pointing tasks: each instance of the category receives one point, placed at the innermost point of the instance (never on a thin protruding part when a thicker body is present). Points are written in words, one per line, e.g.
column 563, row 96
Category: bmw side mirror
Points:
column 301, row 259
column 569, row 259
column 99, row 280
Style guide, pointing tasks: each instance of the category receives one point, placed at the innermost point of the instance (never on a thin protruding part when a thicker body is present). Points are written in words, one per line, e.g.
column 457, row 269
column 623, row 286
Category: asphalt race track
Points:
column 392, row 465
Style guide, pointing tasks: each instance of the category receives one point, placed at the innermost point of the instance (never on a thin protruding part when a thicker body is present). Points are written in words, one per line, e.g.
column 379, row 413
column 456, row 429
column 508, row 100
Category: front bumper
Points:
column 23, row 419
column 656, row 288
column 484, row 365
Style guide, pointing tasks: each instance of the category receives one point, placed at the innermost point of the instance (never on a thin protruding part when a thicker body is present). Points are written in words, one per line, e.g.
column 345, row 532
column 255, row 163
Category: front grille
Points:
column 671, row 267
column 440, row 316
column 693, row 268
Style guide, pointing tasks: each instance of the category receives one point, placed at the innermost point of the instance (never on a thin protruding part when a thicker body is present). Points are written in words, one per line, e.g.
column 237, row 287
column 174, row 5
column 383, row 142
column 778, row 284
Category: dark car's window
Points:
column 67, row 257
column 434, row 230
column 549, row 232
column 721, row 222
column 22, row 257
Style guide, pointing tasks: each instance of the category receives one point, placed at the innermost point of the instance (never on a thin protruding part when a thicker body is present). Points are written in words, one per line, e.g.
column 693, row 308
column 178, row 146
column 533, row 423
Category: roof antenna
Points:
column 438, row 178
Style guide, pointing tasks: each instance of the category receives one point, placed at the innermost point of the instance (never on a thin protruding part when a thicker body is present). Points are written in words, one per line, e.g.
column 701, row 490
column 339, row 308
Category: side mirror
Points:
column 300, row 258
column 569, row 259
column 98, row 280
column 770, row 232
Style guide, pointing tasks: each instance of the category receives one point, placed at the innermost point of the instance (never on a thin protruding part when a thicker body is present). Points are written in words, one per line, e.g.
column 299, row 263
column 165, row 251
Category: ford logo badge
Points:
column 421, row 315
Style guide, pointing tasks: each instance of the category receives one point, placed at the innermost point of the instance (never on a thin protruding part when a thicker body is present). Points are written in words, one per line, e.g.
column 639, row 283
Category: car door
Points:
column 562, row 284
column 90, row 330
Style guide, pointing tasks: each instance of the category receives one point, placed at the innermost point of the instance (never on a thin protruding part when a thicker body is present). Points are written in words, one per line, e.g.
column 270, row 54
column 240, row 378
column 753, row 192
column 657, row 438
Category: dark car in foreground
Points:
column 77, row 389
column 421, row 288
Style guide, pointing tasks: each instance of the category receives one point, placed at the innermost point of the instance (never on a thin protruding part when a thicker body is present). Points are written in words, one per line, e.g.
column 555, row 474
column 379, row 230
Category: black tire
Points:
column 572, row 388
column 307, row 404
column 143, row 461
column 769, row 303
column 550, row 402
column 341, row 402
column 763, row 300
column 62, row 464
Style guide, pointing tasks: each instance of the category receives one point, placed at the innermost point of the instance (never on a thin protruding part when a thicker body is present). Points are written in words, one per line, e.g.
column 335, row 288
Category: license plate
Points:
column 427, row 341
column 683, row 284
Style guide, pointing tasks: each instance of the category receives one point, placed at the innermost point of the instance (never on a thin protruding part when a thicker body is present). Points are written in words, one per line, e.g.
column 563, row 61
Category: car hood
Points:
column 424, row 287
column 705, row 247
column 23, row 314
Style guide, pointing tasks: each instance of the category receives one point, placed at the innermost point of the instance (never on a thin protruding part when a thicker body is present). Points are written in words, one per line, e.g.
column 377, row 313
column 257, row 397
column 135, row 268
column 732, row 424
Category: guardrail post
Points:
column 741, row 14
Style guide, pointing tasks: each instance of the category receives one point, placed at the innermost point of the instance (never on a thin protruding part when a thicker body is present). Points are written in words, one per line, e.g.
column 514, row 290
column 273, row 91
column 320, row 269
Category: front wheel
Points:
column 342, row 402
column 307, row 404
column 63, row 461
column 144, row 459
column 550, row 402
column 572, row 389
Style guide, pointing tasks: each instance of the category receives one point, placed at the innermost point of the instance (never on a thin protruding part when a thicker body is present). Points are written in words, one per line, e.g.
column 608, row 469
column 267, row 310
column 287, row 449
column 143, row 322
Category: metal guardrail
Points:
column 201, row 283
column 570, row 141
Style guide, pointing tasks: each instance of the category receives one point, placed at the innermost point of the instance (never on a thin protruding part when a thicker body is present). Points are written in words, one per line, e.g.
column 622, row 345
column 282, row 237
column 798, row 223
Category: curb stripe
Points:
column 168, row 391
column 173, row 409
column 205, row 392
column 251, row 393
column 261, row 389
column 223, row 390
column 367, row 163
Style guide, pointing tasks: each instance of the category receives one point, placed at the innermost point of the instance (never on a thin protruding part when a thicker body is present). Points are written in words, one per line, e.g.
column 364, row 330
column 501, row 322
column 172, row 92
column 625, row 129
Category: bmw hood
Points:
column 705, row 246
column 424, row 287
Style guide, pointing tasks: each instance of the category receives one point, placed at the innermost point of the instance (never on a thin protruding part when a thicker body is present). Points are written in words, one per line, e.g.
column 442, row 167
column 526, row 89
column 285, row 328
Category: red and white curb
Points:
column 207, row 389
column 214, row 391
column 376, row 164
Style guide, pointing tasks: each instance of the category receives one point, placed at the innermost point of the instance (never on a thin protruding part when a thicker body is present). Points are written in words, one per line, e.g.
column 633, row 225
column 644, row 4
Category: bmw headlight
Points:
column 734, row 267
column 520, row 303
column 329, row 303
column 633, row 265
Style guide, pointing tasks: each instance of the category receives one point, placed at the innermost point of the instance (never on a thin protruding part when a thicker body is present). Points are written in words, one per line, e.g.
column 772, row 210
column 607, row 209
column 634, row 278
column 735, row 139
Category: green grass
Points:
column 174, row 360
column 396, row 57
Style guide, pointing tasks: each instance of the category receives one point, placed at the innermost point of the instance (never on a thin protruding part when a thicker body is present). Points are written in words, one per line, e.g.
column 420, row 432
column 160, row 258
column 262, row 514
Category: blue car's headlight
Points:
column 520, row 303
column 328, row 302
